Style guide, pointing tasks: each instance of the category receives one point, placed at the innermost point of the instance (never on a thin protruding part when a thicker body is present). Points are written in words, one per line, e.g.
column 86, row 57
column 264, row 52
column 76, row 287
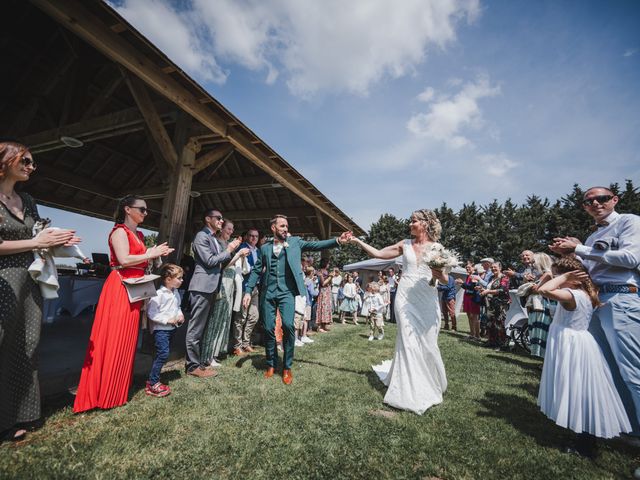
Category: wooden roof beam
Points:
column 77, row 182
column 209, row 158
column 155, row 127
column 112, row 124
column 258, row 182
column 73, row 15
column 266, row 214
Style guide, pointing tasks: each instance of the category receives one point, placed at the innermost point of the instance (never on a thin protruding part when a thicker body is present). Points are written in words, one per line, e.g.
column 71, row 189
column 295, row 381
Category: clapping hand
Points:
column 233, row 245
column 161, row 250
column 244, row 252
column 564, row 245
column 53, row 237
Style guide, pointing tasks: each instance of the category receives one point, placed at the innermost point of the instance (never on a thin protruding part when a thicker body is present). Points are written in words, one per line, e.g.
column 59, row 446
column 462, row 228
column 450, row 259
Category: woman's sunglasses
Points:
column 601, row 199
column 28, row 162
column 143, row 210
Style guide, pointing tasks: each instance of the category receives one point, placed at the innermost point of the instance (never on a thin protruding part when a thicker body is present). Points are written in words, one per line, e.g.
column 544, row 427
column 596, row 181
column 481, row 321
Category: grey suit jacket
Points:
column 209, row 262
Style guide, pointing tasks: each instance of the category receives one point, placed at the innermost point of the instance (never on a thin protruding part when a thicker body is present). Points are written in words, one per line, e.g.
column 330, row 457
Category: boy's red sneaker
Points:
column 157, row 390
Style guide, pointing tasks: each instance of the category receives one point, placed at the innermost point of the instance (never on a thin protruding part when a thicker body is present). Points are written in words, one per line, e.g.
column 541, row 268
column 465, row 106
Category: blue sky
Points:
column 389, row 107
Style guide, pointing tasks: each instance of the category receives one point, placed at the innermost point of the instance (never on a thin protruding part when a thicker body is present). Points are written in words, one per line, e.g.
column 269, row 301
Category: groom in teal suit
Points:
column 281, row 280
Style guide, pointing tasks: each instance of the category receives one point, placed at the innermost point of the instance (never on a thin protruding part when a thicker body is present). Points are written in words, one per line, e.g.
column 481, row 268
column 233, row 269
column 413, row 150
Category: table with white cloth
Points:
column 76, row 293
column 516, row 315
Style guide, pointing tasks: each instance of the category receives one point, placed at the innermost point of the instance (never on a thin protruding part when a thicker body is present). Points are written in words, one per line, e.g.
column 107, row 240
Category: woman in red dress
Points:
column 108, row 365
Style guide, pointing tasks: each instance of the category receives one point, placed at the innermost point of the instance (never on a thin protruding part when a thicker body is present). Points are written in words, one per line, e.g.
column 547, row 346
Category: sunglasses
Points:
column 28, row 162
column 218, row 217
column 601, row 199
column 143, row 210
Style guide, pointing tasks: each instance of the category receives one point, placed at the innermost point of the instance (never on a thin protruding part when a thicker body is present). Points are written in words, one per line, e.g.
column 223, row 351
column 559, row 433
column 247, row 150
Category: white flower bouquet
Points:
column 438, row 257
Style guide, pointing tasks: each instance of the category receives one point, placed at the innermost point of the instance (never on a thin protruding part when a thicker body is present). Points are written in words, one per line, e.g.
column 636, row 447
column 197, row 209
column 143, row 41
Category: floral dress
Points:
column 497, row 306
column 324, row 305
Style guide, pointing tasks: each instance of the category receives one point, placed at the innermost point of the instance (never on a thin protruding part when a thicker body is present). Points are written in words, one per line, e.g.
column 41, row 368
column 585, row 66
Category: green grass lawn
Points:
column 331, row 423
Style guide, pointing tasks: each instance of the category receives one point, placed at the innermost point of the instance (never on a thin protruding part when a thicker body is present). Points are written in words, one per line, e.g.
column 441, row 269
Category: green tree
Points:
column 150, row 240
column 388, row 230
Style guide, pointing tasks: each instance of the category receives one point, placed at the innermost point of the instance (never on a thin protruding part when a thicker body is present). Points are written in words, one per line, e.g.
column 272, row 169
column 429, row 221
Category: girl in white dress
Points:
column 577, row 390
column 416, row 376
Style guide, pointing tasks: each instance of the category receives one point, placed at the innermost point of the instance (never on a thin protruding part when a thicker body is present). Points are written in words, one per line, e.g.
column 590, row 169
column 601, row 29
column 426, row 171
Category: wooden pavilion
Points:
column 106, row 113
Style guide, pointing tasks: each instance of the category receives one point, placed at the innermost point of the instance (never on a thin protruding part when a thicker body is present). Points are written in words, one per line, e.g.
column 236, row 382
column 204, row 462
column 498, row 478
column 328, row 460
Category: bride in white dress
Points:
column 416, row 376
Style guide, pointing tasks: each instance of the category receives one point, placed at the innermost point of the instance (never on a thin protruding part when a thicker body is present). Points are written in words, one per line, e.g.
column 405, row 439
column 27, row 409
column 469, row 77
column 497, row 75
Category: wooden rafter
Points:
column 209, row 158
column 155, row 126
column 105, row 126
column 75, row 17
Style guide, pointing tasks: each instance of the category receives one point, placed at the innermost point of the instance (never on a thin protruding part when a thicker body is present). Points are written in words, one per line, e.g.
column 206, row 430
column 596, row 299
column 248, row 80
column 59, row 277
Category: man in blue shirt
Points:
column 448, row 303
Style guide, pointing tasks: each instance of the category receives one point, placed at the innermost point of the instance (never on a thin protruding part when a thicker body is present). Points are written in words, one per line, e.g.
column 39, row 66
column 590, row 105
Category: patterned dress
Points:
column 324, row 308
column 215, row 340
column 20, row 320
column 497, row 311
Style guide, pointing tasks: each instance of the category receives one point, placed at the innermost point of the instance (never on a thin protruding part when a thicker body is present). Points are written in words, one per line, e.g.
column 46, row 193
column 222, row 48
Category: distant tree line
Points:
column 498, row 230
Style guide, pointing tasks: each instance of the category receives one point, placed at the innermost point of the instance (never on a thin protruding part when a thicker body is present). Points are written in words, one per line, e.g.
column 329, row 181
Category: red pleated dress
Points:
column 107, row 372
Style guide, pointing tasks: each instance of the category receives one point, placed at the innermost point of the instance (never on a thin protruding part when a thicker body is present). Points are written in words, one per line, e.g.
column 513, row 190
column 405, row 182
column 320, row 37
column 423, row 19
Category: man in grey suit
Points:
column 209, row 258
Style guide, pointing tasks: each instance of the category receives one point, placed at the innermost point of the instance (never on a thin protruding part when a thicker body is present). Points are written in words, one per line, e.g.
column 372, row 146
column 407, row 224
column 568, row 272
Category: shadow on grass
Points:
column 525, row 416
column 340, row 369
column 509, row 359
column 258, row 361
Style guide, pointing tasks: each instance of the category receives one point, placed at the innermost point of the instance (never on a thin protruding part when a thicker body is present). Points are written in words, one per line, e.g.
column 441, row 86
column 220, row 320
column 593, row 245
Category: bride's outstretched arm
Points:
column 387, row 253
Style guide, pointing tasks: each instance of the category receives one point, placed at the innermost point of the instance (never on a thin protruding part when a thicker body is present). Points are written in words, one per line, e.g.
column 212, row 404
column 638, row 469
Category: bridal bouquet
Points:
column 438, row 257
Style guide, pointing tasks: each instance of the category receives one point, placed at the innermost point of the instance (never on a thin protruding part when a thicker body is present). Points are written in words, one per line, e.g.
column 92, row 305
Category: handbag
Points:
column 140, row 288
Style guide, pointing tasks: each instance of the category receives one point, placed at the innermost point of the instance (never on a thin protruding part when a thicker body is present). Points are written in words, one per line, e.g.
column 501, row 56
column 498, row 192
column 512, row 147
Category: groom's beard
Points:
column 280, row 237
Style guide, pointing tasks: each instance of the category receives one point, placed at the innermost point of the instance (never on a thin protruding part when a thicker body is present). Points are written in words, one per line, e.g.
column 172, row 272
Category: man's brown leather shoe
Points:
column 287, row 377
column 269, row 373
column 249, row 349
column 202, row 373
column 238, row 352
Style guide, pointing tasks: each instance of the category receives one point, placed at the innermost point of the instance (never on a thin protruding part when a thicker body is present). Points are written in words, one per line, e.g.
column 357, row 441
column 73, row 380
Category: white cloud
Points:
column 449, row 115
column 496, row 165
column 427, row 95
column 332, row 45
column 175, row 35
column 630, row 52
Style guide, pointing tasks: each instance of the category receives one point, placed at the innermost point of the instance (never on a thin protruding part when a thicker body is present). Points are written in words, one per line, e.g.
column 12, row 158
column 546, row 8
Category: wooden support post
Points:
column 176, row 204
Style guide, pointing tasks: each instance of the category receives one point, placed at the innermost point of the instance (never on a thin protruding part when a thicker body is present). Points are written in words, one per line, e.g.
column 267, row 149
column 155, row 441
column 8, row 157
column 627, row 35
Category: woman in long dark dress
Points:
column 20, row 299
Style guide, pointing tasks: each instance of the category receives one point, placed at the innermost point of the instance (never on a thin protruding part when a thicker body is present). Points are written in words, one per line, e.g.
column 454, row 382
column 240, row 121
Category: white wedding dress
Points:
column 416, row 376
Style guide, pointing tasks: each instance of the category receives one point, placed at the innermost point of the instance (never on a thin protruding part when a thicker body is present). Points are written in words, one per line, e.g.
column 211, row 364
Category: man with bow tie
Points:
column 281, row 279
column 611, row 254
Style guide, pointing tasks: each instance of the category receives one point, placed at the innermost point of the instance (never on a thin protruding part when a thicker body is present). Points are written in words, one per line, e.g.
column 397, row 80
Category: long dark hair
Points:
column 127, row 201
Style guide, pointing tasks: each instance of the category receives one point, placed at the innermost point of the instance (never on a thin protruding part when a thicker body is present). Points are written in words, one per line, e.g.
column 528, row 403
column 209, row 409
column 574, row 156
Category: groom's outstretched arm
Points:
column 325, row 244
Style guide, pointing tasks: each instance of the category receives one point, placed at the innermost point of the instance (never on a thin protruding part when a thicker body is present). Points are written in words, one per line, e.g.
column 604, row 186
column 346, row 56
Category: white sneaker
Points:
column 298, row 343
column 370, row 338
column 280, row 348
column 380, row 337
column 306, row 339
column 215, row 363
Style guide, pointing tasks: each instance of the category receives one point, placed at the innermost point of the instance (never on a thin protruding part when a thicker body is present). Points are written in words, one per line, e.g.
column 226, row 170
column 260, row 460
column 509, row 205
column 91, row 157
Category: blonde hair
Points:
column 542, row 262
column 374, row 287
column 430, row 222
column 568, row 264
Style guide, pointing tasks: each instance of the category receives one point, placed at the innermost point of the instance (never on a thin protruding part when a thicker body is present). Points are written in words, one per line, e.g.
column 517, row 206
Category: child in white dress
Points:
column 577, row 390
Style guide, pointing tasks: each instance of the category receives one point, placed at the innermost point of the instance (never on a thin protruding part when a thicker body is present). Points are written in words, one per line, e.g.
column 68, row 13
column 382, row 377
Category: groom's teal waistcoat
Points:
column 284, row 281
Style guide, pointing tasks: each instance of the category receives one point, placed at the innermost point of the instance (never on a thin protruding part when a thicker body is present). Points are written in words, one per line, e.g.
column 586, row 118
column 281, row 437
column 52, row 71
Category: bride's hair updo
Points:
column 430, row 223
